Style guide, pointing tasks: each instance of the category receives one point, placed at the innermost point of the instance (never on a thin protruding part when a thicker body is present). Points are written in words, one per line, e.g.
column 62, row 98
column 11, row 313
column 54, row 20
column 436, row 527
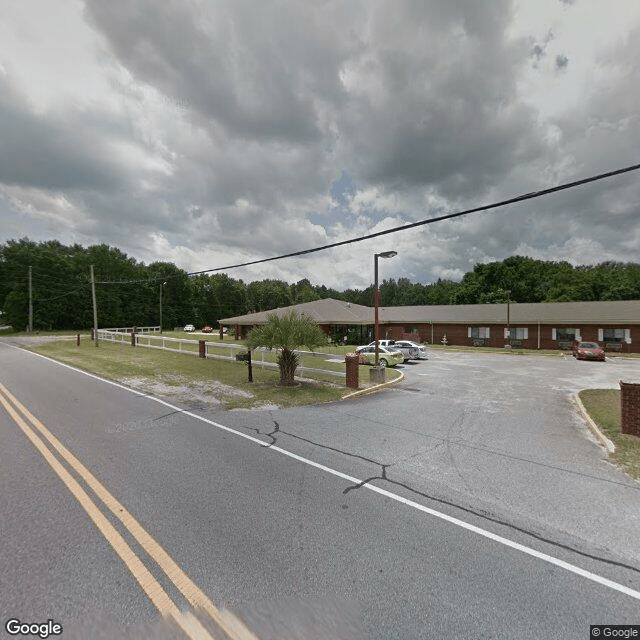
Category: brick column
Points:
column 202, row 349
column 630, row 408
column 351, row 366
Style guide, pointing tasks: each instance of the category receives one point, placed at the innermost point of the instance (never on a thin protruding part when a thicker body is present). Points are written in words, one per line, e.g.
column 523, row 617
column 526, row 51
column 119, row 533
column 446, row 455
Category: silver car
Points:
column 382, row 343
column 418, row 350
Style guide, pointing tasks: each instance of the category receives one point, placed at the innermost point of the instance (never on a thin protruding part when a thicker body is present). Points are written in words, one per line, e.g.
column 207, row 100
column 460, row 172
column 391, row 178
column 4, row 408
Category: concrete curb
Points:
column 602, row 439
column 378, row 387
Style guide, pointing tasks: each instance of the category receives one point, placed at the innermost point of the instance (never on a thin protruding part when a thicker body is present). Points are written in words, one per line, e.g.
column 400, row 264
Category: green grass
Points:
column 122, row 361
column 603, row 405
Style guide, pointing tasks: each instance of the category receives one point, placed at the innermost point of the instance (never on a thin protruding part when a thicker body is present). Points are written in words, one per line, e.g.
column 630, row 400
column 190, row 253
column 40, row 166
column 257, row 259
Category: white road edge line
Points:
column 394, row 496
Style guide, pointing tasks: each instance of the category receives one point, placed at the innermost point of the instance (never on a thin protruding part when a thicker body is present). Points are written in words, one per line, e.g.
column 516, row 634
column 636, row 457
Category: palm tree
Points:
column 287, row 333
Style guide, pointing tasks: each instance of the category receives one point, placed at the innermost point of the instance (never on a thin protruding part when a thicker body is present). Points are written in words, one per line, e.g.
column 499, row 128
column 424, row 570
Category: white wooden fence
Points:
column 130, row 330
column 191, row 347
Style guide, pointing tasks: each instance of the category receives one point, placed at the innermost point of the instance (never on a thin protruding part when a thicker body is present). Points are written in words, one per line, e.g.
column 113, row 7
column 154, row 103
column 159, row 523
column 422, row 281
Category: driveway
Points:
column 491, row 438
column 494, row 511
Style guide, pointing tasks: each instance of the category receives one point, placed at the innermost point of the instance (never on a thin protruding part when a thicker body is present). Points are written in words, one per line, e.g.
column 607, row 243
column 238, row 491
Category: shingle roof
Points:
column 326, row 311
column 614, row 311
column 330, row 311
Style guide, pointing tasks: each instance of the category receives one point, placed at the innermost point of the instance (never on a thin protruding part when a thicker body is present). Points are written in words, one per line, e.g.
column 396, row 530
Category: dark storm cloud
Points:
column 224, row 125
column 49, row 152
column 275, row 75
column 603, row 133
column 454, row 120
column 562, row 62
column 539, row 49
column 537, row 52
column 242, row 66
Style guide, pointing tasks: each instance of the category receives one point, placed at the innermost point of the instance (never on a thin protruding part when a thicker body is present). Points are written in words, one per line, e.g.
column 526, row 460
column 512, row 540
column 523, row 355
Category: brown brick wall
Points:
column 630, row 408
column 457, row 334
column 351, row 367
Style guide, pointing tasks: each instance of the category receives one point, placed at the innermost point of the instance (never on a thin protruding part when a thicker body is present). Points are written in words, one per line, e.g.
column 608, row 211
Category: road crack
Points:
column 383, row 476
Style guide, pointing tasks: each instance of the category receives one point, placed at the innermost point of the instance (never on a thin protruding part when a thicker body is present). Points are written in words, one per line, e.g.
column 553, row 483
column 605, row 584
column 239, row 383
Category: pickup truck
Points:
column 382, row 343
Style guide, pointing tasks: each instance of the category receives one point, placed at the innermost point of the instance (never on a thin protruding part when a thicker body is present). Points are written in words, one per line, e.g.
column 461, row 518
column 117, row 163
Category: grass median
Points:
column 197, row 380
column 603, row 405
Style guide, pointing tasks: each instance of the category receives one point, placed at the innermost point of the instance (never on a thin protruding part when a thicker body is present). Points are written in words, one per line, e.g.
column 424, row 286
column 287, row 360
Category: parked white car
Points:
column 382, row 343
column 420, row 350
column 387, row 356
column 189, row 328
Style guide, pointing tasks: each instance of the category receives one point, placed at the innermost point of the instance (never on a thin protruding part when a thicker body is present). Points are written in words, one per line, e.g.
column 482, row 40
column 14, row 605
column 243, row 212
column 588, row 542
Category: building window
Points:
column 613, row 338
column 565, row 337
column 478, row 333
column 612, row 335
column 565, row 334
column 518, row 333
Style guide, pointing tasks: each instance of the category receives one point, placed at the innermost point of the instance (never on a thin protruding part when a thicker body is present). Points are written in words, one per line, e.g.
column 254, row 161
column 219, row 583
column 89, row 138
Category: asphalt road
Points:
column 469, row 501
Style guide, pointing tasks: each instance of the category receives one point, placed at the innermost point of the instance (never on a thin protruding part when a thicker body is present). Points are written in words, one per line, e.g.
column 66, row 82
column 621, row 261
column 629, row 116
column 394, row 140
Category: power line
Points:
column 412, row 225
column 62, row 295
column 521, row 198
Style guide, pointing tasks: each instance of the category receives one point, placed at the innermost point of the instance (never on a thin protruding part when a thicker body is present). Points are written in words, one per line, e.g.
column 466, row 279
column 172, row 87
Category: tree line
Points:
column 129, row 292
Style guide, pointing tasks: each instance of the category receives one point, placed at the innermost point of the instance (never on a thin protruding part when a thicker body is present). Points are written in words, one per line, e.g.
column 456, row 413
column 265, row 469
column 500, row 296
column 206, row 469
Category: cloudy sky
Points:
column 213, row 133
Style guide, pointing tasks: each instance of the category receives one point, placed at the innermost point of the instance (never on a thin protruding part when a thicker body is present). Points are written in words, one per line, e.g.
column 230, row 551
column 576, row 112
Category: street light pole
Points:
column 376, row 300
column 508, row 318
column 161, row 285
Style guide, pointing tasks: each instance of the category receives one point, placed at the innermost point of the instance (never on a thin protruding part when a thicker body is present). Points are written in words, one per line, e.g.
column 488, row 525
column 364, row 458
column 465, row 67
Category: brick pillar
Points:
column 351, row 366
column 133, row 337
column 630, row 408
column 202, row 350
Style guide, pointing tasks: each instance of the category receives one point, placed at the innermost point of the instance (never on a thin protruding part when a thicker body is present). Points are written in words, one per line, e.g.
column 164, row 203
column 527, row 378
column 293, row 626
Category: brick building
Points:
column 542, row 325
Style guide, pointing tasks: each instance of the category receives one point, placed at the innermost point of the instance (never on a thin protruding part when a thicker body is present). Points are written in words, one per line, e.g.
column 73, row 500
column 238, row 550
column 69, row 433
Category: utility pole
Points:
column 161, row 285
column 95, row 308
column 508, row 345
column 30, row 302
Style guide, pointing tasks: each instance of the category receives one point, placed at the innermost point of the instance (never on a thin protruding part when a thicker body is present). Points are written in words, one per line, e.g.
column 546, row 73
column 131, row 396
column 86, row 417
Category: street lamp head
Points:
column 387, row 254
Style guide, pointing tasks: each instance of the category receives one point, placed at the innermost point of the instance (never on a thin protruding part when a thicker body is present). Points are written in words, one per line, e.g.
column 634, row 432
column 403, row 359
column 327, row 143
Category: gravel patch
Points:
column 206, row 393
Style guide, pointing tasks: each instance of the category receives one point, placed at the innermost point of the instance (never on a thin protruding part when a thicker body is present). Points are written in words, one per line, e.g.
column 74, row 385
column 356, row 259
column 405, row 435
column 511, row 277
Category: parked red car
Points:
column 207, row 329
column 588, row 351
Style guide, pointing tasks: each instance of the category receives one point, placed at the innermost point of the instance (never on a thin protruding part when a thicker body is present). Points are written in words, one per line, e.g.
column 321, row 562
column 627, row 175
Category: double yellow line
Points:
column 189, row 623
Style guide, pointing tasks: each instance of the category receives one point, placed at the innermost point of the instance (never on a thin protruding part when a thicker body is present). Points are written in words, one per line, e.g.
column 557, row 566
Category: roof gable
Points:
column 325, row 311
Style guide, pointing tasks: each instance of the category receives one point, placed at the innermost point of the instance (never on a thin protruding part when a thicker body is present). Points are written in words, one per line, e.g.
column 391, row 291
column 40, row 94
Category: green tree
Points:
column 230, row 295
column 264, row 295
column 287, row 333
column 440, row 292
column 303, row 291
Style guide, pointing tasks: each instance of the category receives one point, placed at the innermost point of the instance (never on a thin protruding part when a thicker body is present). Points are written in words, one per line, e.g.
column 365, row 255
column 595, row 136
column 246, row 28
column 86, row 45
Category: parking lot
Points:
column 497, row 436
column 559, row 372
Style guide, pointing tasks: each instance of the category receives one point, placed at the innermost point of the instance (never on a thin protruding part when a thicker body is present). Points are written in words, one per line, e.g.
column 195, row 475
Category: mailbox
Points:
column 245, row 356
